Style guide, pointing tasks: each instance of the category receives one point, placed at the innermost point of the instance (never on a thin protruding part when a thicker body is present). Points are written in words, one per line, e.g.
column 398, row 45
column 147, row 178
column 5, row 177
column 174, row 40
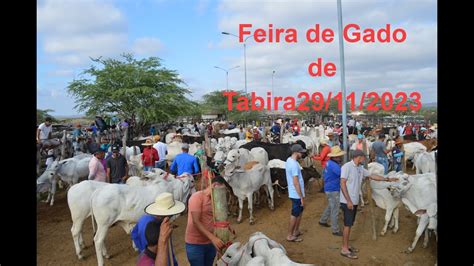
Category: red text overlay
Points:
column 317, row 101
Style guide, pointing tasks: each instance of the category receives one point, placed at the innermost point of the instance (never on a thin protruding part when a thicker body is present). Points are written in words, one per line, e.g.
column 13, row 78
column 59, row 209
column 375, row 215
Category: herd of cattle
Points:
column 247, row 166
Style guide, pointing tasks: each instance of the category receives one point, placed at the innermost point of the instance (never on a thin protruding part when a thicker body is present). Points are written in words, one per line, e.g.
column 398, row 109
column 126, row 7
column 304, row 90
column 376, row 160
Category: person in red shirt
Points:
column 256, row 134
column 323, row 157
column 408, row 132
column 149, row 155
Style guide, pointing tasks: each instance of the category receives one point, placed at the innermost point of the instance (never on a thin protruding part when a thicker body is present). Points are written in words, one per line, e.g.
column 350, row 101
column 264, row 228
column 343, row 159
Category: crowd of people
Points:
column 152, row 233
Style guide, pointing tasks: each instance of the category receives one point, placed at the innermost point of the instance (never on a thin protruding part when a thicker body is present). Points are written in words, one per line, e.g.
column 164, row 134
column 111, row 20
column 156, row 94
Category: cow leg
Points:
column 250, row 206
column 395, row 216
column 76, row 237
column 362, row 203
column 241, row 206
column 99, row 242
column 81, row 240
column 53, row 191
column 427, row 236
column 388, row 217
column 269, row 189
column 419, row 231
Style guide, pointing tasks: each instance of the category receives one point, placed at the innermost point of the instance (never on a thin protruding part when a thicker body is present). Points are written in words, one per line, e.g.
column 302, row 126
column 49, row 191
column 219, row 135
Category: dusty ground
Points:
column 55, row 246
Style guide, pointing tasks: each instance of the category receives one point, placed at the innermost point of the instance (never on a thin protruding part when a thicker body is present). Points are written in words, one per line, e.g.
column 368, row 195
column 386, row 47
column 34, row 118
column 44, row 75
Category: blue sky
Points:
column 186, row 35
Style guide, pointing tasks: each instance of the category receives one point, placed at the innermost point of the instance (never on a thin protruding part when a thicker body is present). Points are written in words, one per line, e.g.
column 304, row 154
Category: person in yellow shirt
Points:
column 248, row 135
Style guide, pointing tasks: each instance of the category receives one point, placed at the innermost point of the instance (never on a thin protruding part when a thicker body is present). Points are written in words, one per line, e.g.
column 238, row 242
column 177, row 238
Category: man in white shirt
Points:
column 162, row 151
column 401, row 128
column 43, row 134
column 352, row 174
column 351, row 125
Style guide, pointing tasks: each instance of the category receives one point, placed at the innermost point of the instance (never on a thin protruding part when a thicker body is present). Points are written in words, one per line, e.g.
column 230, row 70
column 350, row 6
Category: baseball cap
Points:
column 360, row 136
column 185, row 146
column 297, row 148
column 357, row 153
column 115, row 148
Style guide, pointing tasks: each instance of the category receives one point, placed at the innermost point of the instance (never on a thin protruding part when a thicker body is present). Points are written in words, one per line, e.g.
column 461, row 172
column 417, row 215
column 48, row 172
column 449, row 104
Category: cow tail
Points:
column 134, row 150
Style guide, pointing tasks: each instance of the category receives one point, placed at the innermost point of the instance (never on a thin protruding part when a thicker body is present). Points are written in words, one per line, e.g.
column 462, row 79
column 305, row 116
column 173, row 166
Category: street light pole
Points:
column 273, row 73
column 245, row 56
column 227, row 74
column 343, row 79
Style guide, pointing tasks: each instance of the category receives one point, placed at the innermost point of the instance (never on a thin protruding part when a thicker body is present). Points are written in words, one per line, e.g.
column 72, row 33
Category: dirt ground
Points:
column 55, row 246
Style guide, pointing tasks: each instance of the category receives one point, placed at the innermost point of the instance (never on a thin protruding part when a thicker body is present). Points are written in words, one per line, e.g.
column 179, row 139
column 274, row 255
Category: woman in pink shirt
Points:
column 96, row 169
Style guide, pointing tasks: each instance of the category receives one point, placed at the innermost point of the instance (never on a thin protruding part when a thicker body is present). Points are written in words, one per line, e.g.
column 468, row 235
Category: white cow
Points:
column 413, row 148
column 245, row 182
column 264, row 250
column 273, row 252
column 425, row 162
column 238, row 157
column 124, row 205
column 134, row 150
column 260, row 155
column 79, row 202
column 69, row 170
column 418, row 194
column 383, row 199
column 174, row 148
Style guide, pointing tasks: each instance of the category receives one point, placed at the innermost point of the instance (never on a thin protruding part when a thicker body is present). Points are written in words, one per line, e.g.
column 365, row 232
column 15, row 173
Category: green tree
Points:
column 215, row 101
column 143, row 90
column 42, row 114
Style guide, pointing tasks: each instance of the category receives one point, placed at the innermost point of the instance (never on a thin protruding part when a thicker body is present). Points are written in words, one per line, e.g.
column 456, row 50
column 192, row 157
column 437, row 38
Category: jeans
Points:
column 160, row 164
column 397, row 166
column 147, row 168
column 332, row 210
column 200, row 254
column 383, row 161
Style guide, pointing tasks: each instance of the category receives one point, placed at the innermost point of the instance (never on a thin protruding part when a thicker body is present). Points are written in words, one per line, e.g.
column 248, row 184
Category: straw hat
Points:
column 165, row 205
column 323, row 141
column 156, row 138
column 336, row 152
column 147, row 143
column 330, row 134
column 433, row 128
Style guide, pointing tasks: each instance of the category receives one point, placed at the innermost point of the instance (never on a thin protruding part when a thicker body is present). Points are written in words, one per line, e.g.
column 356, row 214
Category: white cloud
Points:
column 147, row 46
column 73, row 31
column 202, row 6
column 61, row 73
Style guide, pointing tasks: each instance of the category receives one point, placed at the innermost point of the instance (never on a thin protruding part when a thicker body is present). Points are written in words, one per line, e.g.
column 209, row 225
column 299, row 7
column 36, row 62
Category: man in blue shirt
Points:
column 184, row 162
column 381, row 152
column 156, row 212
column 332, row 179
column 294, row 178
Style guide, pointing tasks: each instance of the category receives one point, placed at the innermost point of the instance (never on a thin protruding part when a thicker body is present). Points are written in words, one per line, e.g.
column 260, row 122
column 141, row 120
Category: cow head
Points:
column 219, row 157
column 232, row 157
column 375, row 168
column 231, row 256
column 397, row 189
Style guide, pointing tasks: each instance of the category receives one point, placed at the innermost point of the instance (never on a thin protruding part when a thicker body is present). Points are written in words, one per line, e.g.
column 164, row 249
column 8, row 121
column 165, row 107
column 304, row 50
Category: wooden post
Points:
column 404, row 162
column 63, row 146
column 371, row 209
column 124, row 142
column 219, row 207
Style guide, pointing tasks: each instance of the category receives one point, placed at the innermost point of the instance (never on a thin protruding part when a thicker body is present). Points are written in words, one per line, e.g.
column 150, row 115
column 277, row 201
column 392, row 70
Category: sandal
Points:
column 349, row 255
column 353, row 249
column 296, row 239
column 299, row 234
